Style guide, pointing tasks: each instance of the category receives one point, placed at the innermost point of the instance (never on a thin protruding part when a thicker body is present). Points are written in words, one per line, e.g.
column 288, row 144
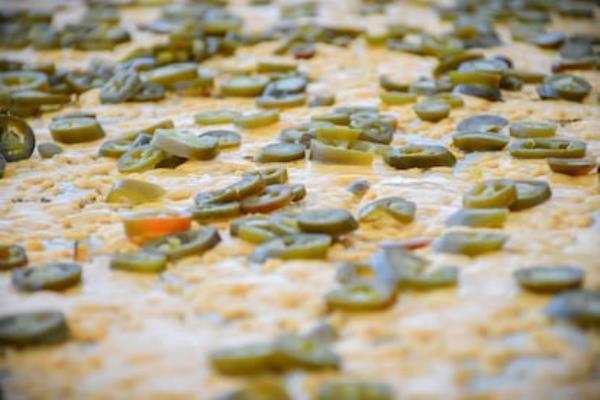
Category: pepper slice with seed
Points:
column 225, row 138
column 185, row 144
column 184, row 244
column 482, row 123
column 530, row 193
column 273, row 197
column 121, row 87
column 469, row 243
column 296, row 246
column 398, row 208
column 140, row 159
column 338, row 154
column 361, row 296
column 419, row 156
column 53, row 276
column 494, row 193
column 17, row 140
column 542, row 148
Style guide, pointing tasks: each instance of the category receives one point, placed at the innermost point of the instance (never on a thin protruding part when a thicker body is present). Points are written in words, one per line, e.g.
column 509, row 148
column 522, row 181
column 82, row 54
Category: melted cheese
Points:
column 148, row 337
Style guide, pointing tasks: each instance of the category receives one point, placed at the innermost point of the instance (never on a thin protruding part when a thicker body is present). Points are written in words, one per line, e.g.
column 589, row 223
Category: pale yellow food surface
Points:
column 148, row 337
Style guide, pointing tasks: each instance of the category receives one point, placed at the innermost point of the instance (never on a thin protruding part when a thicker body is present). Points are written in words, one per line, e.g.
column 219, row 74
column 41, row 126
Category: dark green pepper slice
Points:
column 361, row 296
column 571, row 166
column 489, row 93
column 531, row 129
column 53, row 276
column 244, row 360
column 185, row 144
column 214, row 211
column 549, row 279
column 184, row 244
column 140, row 159
column 331, row 221
column 564, row 86
column 76, row 130
column 296, row 246
column 244, row 86
column 551, row 40
column 17, row 140
column 581, row 307
column 139, row 262
column 254, row 230
column 478, row 217
column 469, row 243
column 280, row 152
column 134, row 191
column 225, row 138
column 216, row 117
column 33, row 328
column 272, row 198
column 295, row 351
column 479, row 141
column 355, row 391
column 121, row 87
column 419, row 156
column 12, row 256
column 398, row 208
column 482, row 123
column 251, row 183
column 432, row 111
column 303, row 133
column 530, row 193
column 542, row 148
column 49, row 150
column 149, row 91
column 494, row 193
